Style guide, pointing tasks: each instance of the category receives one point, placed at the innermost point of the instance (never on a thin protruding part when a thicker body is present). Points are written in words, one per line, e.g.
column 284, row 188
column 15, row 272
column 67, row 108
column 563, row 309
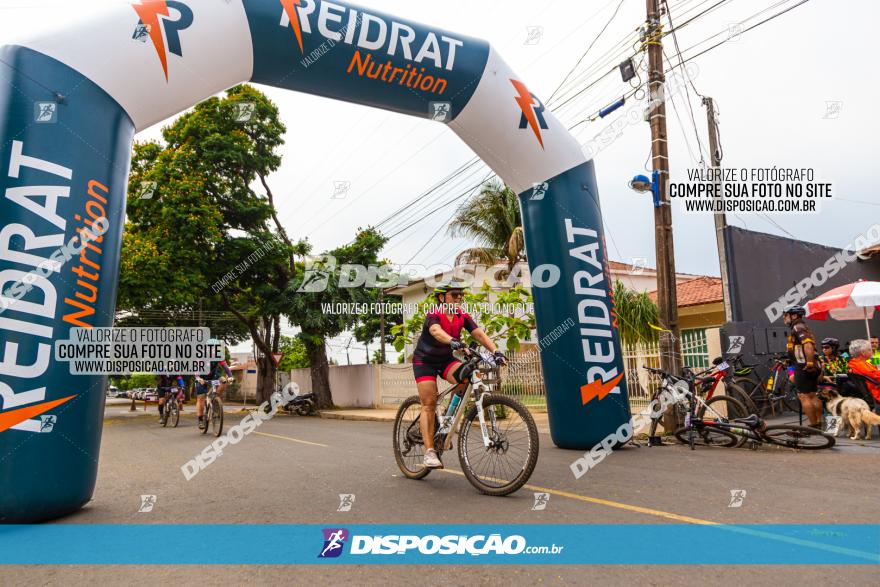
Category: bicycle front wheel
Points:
column 798, row 437
column 409, row 448
column 217, row 416
column 175, row 412
column 748, row 393
column 508, row 461
column 707, row 436
column 723, row 408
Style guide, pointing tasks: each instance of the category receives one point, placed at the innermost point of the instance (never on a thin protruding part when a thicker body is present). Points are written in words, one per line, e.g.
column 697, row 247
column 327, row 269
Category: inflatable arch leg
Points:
column 70, row 103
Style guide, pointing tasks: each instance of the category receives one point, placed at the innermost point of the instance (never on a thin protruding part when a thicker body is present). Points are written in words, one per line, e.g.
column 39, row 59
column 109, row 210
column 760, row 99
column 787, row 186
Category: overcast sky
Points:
column 772, row 86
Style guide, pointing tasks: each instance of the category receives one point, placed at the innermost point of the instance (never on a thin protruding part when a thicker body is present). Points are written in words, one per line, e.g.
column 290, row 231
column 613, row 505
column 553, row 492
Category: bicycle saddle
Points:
column 750, row 420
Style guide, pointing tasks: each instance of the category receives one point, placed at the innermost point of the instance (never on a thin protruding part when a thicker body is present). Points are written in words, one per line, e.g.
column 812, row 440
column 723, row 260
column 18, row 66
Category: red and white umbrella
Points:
column 854, row 301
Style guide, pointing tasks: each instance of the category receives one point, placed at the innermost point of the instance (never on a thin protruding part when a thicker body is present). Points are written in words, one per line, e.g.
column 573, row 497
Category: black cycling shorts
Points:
column 805, row 382
column 428, row 370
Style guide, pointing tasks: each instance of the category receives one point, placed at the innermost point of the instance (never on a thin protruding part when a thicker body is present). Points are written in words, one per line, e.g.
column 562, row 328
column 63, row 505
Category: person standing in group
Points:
column 802, row 354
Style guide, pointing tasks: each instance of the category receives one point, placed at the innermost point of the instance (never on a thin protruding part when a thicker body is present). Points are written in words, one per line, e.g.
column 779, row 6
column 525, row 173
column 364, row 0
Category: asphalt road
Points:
column 292, row 470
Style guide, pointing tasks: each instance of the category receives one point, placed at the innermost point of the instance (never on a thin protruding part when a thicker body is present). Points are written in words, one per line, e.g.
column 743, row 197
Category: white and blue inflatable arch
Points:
column 70, row 104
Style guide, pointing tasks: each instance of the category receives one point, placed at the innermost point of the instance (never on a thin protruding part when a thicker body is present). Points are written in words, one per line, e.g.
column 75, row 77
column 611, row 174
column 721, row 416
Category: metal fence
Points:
column 522, row 379
column 640, row 383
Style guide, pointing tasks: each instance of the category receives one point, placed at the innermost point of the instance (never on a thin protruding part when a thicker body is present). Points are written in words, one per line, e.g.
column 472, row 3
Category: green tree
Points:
column 136, row 380
column 207, row 243
column 295, row 354
column 492, row 219
column 635, row 312
column 310, row 298
column 370, row 329
column 512, row 324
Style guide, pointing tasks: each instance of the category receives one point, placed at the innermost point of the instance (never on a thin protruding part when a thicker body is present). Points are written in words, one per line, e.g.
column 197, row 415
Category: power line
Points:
column 590, row 46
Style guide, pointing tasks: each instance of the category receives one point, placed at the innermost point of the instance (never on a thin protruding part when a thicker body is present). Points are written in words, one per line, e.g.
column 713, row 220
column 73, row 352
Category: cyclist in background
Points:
column 219, row 371
column 164, row 385
column 802, row 354
column 833, row 363
column 433, row 356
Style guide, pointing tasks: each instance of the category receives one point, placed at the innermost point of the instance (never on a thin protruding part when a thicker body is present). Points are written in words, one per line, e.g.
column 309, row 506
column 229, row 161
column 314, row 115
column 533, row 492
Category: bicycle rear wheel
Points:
column 409, row 448
column 789, row 397
column 507, row 463
column 217, row 416
column 706, row 436
column 798, row 437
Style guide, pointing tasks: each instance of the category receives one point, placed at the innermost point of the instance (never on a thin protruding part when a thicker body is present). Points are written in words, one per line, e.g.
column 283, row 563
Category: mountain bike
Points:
column 717, row 422
column 776, row 395
column 497, row 436
column 730, row 433
column 213, row 409
column 722, row 408
column 701, row 386
column 171, row 409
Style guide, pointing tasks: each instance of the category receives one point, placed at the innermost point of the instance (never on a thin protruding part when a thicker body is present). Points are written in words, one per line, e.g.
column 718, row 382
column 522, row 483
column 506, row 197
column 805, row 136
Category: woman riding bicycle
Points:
column 433, row 356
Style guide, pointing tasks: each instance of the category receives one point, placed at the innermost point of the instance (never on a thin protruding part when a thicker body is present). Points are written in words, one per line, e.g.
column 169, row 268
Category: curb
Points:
column 330, row 415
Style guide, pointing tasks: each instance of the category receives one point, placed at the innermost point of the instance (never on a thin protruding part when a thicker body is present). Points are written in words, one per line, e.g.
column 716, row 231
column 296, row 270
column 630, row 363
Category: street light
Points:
column 641, row 184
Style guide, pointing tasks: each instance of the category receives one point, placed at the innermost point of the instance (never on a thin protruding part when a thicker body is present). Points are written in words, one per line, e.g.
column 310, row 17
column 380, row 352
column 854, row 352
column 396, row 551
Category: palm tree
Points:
column 493, row 220
column 635, row 313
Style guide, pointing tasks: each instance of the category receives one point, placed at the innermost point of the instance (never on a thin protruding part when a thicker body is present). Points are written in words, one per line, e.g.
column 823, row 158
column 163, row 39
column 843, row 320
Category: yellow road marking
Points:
column 609, row 503
column 291, row 439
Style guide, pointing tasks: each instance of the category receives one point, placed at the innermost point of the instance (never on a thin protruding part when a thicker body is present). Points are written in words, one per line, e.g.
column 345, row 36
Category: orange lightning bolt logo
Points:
column 149, row 11
column 532, row 110
column 598, row 388
column 290, row 9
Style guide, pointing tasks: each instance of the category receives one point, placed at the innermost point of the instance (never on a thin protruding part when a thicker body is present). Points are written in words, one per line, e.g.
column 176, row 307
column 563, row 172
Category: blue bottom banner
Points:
column 270, row 544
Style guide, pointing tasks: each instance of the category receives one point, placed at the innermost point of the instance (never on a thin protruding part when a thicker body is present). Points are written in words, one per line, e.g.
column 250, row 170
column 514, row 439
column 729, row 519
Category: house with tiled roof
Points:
column 700, row 302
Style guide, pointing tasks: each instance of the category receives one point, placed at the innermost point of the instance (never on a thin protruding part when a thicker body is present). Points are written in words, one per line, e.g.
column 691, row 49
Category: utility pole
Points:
column 381, row 326
column 720, row 217
column 670, row 349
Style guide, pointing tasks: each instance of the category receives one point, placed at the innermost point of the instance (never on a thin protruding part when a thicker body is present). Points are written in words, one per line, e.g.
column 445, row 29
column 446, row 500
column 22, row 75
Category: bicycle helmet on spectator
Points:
column 832, row 342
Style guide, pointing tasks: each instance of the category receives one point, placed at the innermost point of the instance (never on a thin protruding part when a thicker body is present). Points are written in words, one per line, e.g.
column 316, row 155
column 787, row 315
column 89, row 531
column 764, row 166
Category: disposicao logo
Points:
column 334, row 540
column 149, row 12
column 532, row 110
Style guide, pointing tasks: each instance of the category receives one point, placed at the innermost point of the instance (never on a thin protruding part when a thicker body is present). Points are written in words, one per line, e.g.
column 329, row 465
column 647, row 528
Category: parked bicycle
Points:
column 733, row 404
column 707, row 425
column 497, row 436
column 213, row 409
column 172, row 398
column 774, row 396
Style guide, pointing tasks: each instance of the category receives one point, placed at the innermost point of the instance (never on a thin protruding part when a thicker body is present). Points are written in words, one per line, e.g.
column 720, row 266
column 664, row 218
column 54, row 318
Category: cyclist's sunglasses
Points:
column 455, row 294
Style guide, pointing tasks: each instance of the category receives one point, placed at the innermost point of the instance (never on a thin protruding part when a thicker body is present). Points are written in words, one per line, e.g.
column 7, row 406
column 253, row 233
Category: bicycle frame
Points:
column 748, row 432
column 476, row 389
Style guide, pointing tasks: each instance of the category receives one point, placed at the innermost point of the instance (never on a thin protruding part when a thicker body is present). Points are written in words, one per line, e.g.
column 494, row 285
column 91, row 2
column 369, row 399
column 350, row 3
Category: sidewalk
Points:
column 388, row 415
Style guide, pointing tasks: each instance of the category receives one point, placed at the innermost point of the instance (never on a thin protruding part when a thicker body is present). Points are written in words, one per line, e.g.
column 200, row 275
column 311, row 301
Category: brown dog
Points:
column 854, row 412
